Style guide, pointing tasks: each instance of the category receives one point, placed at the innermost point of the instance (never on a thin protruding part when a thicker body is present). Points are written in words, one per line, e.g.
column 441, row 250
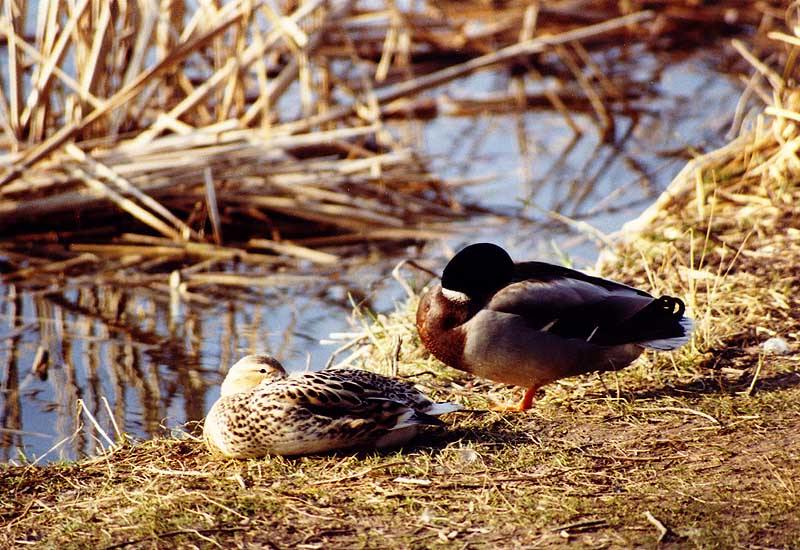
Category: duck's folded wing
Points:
column 374, row 384
column 590, row 309
column 545, row 273
column 346, row 404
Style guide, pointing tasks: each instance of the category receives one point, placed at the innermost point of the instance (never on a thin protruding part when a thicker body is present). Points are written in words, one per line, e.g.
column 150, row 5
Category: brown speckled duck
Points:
column 262, row 410
column 531, row 323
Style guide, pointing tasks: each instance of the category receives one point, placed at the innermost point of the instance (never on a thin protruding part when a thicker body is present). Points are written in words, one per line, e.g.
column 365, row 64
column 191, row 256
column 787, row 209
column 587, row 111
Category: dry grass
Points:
column 156, row 138
column 698, row 448
column 585, row 470
column 135, row 132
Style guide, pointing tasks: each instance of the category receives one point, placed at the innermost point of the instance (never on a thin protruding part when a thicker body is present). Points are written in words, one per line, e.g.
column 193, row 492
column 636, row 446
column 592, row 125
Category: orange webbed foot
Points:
column 522, row 406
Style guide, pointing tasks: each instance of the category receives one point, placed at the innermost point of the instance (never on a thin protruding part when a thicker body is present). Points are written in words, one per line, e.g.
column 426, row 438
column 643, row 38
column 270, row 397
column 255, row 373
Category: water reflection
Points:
column 143, row 359
column 137, row 364
column 537, row 163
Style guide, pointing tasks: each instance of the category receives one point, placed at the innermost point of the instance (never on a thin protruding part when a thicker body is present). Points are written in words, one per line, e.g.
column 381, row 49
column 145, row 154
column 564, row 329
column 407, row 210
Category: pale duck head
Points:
column 249, row 372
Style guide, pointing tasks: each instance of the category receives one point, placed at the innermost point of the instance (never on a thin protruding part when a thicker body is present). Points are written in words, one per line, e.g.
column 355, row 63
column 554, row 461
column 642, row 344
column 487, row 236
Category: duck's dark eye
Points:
column 262, row 371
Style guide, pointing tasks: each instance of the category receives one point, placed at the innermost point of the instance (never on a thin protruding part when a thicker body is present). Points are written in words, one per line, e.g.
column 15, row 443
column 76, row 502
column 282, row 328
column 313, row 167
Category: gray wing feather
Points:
column 559, row 298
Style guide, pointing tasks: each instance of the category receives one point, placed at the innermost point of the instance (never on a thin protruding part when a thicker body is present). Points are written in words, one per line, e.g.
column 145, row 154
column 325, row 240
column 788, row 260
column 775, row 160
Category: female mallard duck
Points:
column 262, row 410
column 531, row 323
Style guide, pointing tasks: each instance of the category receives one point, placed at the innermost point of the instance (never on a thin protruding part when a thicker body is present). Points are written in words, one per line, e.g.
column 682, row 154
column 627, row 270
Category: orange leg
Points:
column 524, row 405
column 527, row 399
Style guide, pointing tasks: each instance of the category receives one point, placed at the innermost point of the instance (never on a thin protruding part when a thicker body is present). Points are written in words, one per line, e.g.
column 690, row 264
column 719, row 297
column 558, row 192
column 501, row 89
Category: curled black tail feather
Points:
column 661, row 321
column 669, row 303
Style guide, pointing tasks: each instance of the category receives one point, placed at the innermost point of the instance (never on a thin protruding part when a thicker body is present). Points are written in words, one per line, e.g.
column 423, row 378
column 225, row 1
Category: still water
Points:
column 143, row 366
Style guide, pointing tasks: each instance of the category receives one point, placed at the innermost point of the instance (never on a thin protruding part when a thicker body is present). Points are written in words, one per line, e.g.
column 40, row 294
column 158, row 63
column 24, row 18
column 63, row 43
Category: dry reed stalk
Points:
column 126, row 187
column 250, row 281
column 190, row 123
column 52, row 267
column 202, row 250
column 380, row 234
column 291, row 249
column 533, row 46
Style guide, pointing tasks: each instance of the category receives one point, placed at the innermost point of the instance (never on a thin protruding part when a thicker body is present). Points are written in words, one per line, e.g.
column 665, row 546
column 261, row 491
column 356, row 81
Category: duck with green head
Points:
column 531, row 323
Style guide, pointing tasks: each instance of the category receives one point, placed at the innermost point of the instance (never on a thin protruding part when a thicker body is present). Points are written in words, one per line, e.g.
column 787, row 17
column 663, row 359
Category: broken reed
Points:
column 218, row 128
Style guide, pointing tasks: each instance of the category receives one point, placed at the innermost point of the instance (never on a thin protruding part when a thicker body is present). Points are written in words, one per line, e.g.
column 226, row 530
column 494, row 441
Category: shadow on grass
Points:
column 717, row 385
column 494, row 430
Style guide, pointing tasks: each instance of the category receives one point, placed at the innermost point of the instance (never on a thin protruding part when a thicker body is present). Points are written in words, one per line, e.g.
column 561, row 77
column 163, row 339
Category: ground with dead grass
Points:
column 687, row 464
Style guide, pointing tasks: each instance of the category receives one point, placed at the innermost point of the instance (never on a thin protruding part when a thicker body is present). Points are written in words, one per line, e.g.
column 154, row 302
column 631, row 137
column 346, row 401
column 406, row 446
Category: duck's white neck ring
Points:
column 455, row 296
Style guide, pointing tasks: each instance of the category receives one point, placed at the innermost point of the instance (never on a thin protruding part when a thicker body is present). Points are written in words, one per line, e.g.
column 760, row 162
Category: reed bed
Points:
column 158, row 133
column 258, row 130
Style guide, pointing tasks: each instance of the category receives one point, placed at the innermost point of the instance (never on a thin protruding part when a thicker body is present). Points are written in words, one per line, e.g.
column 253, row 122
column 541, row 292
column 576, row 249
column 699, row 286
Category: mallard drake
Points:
column 262, row 410
column 531, row 323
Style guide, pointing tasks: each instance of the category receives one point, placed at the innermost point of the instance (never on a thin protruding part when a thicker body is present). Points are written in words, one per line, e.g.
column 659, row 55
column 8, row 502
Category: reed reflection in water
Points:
column 138, row 363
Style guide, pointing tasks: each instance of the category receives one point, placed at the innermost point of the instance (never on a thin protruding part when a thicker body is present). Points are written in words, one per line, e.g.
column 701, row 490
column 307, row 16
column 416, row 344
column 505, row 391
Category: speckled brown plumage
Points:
column 263, row 411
